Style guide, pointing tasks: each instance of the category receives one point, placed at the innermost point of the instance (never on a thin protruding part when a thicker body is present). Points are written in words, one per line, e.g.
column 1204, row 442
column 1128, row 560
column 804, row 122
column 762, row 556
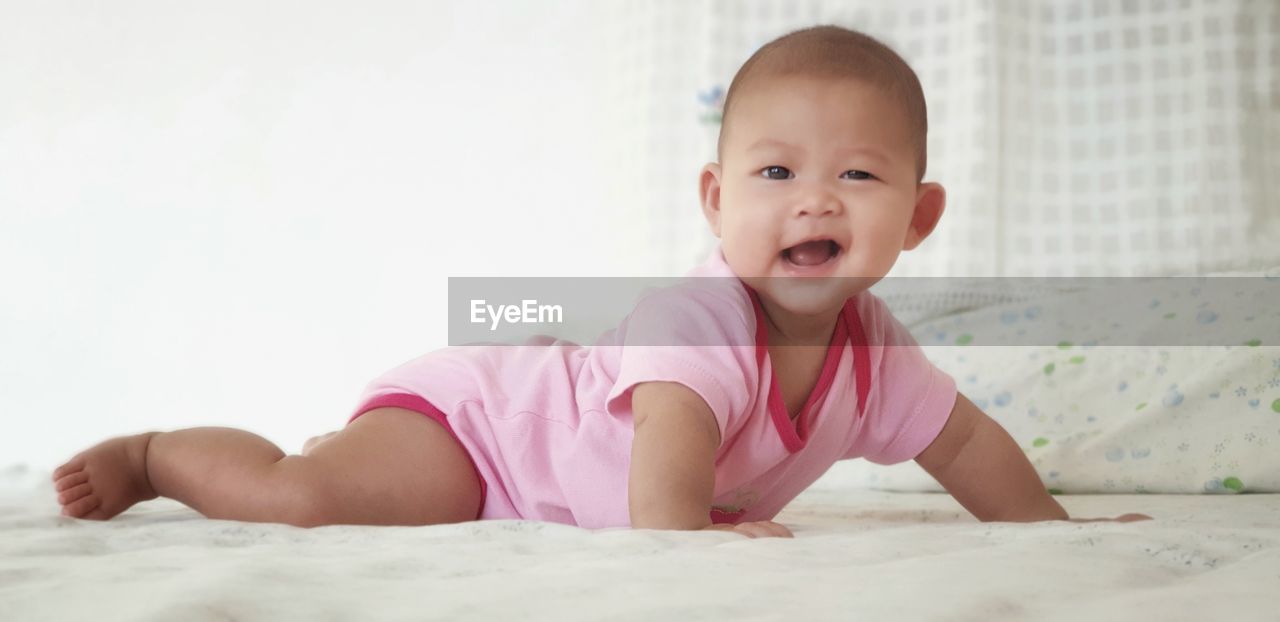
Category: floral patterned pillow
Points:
column 1100, row 418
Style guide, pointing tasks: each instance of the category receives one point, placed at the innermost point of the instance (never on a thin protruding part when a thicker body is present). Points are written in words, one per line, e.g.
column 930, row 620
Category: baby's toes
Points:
column 71, row 466
column 97, row 514
column 75, row 479
column 81, row 507
column 74, row 493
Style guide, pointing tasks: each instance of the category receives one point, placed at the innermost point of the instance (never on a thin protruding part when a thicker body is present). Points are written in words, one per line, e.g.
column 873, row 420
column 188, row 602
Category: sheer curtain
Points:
column 1075, row 138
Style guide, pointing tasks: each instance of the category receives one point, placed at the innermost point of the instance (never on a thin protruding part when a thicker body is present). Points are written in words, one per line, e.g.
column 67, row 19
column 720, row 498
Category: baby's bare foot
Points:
column 105, row 479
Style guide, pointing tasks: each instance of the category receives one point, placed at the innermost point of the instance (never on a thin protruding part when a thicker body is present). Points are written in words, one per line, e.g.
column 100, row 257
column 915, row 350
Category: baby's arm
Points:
column 672, row 477
column 984, row 469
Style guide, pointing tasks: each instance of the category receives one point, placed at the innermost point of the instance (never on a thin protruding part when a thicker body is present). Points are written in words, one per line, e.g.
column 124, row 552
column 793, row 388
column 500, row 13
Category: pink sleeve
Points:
column 910, row 399
column 696, row 338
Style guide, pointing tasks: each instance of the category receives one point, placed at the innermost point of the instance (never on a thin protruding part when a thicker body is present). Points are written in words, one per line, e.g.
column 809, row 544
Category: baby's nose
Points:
column 821, row 205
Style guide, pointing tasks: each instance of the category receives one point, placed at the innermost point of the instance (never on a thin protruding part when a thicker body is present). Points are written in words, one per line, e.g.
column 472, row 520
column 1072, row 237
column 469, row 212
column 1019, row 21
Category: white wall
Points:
column 238, row 213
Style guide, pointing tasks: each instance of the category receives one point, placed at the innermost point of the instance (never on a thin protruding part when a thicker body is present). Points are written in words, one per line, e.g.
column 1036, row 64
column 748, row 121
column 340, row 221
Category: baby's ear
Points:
column 709, row 195
column 931, row 199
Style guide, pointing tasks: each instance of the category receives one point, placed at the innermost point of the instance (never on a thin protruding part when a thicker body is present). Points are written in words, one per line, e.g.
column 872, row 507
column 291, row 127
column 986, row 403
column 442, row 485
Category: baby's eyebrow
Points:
column 846, row 150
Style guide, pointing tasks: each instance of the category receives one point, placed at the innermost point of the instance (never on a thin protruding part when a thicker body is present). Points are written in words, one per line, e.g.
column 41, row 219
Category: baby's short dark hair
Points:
column 834, row 52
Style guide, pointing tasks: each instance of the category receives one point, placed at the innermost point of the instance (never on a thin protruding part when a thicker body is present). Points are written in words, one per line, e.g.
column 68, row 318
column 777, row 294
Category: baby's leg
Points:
column 391, row 466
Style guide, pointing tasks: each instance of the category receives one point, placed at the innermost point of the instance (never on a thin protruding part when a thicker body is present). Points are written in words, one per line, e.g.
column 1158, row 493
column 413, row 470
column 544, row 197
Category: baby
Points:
column 710, row 407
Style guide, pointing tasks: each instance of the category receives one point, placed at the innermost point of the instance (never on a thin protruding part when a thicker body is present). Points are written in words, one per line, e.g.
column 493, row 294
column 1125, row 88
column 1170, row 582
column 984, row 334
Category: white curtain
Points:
column 1074, row 137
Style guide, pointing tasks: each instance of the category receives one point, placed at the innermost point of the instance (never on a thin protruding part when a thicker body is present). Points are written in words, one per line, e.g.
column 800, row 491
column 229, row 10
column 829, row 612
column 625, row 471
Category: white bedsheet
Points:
column 857, row 554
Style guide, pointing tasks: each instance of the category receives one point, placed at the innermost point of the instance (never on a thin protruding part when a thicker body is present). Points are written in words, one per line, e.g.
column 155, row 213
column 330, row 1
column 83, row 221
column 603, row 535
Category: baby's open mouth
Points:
column 812, row 253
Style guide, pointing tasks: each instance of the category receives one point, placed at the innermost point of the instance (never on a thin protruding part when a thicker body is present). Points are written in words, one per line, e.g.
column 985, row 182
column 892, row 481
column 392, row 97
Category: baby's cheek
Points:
column 743, row 258
column 876, row 255
column 748, row 244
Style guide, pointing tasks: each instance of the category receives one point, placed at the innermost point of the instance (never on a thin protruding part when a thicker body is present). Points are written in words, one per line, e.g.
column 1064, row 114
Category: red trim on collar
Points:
column 849, row 327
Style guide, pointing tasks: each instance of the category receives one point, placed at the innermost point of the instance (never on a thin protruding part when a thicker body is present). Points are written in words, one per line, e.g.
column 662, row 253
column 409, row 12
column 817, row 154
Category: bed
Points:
column 857, row 554
column 871, row 541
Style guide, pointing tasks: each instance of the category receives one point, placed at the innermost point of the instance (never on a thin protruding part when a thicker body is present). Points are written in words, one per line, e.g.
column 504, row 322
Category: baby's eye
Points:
column 770, row 170
column 865, row 175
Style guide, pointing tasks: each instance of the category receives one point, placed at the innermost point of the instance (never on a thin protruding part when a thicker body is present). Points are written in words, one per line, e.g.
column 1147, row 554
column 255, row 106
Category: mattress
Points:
column 857, row 554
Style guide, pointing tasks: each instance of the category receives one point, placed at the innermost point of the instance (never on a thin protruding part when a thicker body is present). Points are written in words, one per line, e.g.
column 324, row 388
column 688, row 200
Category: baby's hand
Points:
column 757, row 529
column 1126, row 518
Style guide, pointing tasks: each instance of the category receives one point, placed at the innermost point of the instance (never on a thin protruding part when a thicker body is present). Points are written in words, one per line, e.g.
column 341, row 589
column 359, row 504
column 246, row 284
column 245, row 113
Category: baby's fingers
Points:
column 1126, row 518
column 1129, row 518
column 764, row 529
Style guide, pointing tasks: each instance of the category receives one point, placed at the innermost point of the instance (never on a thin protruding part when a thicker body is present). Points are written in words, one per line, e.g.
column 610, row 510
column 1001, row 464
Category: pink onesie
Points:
column 549, row 426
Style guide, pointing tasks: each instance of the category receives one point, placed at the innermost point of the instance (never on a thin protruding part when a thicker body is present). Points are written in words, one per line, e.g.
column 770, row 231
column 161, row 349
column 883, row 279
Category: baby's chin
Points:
column 810, row 296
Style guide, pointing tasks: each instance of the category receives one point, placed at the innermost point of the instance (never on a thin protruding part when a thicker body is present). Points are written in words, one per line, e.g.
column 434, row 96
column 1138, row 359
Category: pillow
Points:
column 914, row 300
column 1097, row 418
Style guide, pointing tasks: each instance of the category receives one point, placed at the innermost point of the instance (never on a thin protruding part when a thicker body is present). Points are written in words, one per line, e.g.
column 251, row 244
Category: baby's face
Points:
column 817, row 179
